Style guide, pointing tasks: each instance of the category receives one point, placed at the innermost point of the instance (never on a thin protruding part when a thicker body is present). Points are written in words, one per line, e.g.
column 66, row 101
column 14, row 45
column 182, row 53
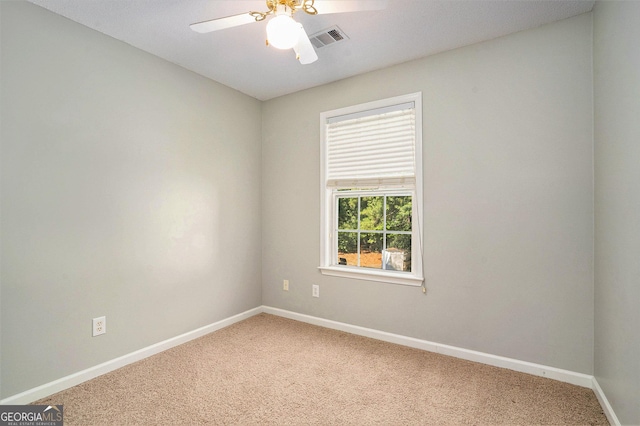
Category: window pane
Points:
column 371, row 250
column 348, row 213
column 397, row 256
column 399, row 214
column 371, row 213
column 348, row 248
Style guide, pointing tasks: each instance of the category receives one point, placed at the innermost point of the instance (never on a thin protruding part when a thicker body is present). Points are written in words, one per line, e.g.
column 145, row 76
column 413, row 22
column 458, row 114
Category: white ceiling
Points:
column 238, row 57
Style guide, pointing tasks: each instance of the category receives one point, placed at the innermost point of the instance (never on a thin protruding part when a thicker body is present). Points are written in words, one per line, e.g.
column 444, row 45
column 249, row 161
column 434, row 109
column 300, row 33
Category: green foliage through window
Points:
column 375, row 231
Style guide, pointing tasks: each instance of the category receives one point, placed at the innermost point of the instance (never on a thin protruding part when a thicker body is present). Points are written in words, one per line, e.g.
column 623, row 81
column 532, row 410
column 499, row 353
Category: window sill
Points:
column 372, row 275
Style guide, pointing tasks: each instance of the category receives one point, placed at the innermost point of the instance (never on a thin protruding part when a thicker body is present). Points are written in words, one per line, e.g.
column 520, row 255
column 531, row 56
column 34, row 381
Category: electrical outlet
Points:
column 315, row 290
column 285, row 285
column 99, row 326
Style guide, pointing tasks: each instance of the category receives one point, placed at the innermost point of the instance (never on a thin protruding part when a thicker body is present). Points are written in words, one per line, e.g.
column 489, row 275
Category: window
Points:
column 372, row 191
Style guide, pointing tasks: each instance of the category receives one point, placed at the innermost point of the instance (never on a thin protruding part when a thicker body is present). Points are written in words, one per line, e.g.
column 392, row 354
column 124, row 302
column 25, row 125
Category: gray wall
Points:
column 508, row 208
column 617, row 194
column 130, row 188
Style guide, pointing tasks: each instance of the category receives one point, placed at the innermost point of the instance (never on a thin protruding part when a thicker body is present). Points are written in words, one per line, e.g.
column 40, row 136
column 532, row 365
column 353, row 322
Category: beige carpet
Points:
column 271, row 370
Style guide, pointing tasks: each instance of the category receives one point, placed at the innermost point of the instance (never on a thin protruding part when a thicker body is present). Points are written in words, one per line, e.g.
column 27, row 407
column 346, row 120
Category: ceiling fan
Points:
column 283, row 32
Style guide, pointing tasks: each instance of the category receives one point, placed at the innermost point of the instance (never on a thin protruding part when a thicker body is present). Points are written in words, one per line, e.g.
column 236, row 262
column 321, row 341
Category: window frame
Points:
column 329, row 200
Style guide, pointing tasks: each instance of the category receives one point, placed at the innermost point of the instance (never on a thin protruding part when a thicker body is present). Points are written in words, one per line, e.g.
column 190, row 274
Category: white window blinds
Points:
column 372, row 148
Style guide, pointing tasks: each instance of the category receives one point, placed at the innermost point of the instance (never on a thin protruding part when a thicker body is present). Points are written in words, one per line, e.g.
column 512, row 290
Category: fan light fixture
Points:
column 283, row 32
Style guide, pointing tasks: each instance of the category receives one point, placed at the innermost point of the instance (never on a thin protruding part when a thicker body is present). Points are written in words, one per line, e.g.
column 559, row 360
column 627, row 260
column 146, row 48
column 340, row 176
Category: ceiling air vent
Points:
column 326, row 37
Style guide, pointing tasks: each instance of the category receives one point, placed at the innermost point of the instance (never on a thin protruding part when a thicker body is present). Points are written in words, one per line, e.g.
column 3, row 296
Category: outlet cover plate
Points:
column 315, row 290
column 99, row 326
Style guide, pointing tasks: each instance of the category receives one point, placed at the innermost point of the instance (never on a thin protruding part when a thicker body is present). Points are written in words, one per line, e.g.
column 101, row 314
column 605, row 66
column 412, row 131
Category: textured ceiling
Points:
column 238, row 57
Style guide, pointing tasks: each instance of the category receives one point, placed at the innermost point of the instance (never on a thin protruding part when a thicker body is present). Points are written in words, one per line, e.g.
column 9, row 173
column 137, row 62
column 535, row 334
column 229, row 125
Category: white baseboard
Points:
column 579, row 379
column 98, row 370
column 566, row 376
column 604, row 403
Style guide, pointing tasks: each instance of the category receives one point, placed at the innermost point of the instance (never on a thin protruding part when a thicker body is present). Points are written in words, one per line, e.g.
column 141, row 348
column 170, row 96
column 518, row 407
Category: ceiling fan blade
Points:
column 341, row 6
column 222, row 23
column 304, row 49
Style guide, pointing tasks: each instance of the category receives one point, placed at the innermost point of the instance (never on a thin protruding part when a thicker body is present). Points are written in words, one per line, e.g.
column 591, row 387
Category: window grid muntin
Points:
column 359, row 194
